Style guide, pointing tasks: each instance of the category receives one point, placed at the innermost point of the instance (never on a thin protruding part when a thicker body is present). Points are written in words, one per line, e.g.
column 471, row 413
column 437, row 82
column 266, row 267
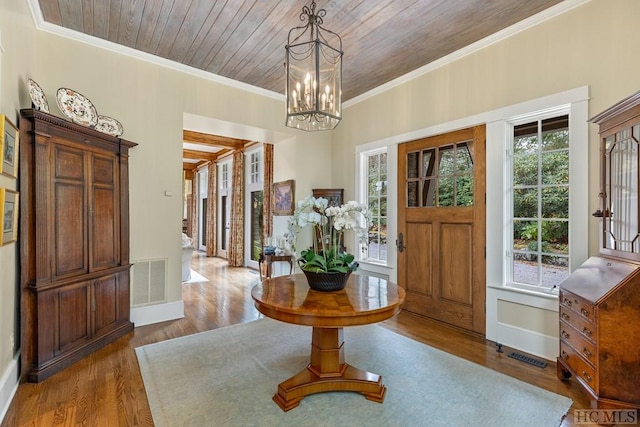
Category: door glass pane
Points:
column 428, row 193
column 428, row 162
column 412, row 165
column 445, row 191
column 621, row 218
column 445, row 166
column 464, row 161
column 464, row 190
column 412, row 194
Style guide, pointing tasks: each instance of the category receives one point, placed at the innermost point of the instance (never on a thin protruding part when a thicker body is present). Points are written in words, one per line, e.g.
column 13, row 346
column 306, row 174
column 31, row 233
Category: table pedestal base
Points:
column 328, row 372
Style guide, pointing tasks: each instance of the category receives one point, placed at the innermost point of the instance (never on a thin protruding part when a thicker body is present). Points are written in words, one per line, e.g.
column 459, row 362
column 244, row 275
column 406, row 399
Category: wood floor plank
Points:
column 106, row 387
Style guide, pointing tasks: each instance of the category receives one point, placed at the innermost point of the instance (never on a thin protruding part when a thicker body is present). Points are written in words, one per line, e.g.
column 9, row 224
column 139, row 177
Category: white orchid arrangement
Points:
column 329, row 223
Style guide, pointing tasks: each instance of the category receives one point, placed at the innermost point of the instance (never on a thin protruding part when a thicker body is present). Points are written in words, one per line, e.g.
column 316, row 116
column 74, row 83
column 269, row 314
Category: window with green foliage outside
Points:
column 540, row 202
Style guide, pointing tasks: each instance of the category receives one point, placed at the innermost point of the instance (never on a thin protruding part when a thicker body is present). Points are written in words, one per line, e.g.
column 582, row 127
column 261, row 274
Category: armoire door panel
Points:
column 104, row 213
column 104, row 233
column 104, row 170
column 69, row 229
column 69, row 163
column 72, row 325
column 106, row 313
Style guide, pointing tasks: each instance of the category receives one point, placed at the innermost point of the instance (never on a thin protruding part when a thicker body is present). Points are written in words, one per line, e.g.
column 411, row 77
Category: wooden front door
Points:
column 441, row 227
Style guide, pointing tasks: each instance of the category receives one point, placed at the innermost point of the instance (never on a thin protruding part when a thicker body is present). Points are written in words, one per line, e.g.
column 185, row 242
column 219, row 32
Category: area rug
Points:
column 195, row 278
column 226, row 377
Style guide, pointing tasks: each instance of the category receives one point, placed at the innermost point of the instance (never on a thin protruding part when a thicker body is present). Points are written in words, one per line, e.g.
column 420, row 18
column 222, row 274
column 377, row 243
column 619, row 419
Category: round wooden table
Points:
column 364, row 300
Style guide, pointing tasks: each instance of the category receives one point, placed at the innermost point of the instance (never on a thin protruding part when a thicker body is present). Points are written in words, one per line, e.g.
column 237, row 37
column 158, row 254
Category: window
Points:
column 376, row 200
column 539, row 205
column 225, row 176
column 255, row 168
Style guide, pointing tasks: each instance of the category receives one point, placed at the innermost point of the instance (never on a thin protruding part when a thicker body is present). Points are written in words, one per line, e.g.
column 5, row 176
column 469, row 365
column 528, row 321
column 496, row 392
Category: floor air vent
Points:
column 526, row 359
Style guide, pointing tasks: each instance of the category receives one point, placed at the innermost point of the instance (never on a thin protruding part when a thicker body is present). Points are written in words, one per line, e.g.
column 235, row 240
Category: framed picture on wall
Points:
column 283, row 197
column 8, row 147
column 335, row 196
column 9, row 215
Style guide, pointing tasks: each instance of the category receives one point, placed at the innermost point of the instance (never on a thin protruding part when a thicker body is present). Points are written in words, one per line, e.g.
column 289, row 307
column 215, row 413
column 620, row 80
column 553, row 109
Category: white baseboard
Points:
column 157, row 313
column 8, row 386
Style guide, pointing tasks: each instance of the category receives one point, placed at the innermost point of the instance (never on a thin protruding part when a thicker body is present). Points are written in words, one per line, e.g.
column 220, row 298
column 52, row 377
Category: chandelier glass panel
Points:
column 314, row 74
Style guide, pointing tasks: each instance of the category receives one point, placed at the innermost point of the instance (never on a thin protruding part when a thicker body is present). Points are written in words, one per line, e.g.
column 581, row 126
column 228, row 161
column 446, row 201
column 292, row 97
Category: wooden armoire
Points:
column 600, row 300
column 74, row 242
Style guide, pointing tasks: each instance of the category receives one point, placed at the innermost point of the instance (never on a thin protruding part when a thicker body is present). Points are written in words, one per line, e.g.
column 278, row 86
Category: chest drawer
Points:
column 581, row 345
column 582, row 325
column 585, row 372
column 578, row 305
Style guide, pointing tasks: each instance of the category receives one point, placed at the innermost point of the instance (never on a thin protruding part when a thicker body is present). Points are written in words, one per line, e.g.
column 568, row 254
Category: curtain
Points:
column 236, row 238
column 212, row 210
column 267, row 194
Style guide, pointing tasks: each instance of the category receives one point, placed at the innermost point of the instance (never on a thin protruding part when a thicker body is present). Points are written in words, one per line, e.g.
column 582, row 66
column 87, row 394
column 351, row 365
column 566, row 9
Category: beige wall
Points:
column 17, row 61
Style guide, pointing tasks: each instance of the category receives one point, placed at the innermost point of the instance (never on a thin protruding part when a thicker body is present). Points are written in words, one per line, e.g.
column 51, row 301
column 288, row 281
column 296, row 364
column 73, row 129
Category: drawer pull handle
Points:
column 565, row 356
column 566, row 317
column 587, row 331
column 584, row 312
column 567, row 302
column 586, row 352
column 586, row 376
column 565, row 335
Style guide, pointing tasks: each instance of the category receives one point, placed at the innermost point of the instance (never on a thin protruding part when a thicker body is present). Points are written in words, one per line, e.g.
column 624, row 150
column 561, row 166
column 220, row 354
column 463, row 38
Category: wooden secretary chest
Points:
column 600, row 301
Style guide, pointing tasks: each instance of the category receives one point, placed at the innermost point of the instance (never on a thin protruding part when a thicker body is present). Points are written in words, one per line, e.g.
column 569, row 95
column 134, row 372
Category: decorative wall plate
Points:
column 37, row 96
column 109, row 125
column 77, row 107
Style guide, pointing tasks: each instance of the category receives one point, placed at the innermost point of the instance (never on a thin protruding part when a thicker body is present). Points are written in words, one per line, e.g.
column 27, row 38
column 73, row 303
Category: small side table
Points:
column 270, row 259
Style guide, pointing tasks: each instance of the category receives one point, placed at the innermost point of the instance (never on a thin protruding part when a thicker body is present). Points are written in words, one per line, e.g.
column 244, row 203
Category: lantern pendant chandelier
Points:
column 314, row 74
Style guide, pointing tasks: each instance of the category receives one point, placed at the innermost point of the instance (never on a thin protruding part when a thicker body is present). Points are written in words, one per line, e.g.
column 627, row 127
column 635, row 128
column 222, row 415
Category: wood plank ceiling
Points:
column 244, row 39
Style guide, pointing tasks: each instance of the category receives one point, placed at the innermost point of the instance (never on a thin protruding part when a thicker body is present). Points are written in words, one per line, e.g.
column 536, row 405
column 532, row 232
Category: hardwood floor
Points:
column 106, row 388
